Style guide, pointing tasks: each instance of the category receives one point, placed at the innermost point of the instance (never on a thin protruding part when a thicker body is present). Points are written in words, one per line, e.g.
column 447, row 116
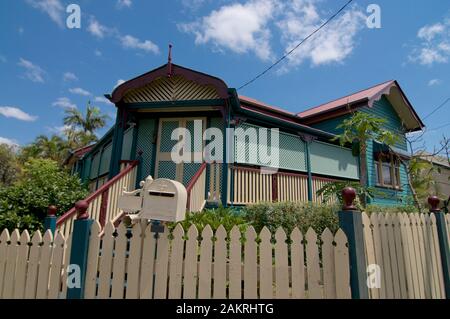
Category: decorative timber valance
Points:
column 174, row 83
column 175, row 88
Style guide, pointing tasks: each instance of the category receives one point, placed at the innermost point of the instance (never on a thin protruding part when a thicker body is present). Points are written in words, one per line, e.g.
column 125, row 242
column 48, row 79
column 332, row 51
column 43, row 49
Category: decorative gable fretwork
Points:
column 175, row 88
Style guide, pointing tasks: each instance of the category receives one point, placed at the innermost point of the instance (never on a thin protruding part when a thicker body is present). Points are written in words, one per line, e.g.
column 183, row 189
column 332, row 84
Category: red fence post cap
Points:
column 348, row 195
column 434, row 203
column 82, row 207
column 51, row 211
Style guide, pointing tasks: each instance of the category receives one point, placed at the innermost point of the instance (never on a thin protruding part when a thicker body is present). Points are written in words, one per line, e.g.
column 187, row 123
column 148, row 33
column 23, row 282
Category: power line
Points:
column 439, row 127
column 436, row 109
column 296, row 47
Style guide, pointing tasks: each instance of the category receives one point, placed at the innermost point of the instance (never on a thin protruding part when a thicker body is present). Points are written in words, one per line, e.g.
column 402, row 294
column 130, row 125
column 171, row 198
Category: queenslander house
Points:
column 153, row 105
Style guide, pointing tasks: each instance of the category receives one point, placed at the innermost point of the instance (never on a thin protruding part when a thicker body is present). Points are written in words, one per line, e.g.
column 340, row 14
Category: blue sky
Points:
column 45, row 67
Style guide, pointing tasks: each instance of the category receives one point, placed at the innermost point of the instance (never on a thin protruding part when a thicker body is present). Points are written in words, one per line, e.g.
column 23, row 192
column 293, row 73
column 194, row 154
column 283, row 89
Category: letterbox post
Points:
column 50, row 219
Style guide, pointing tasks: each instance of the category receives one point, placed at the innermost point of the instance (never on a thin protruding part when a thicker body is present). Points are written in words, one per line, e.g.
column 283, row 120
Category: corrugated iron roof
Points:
column 367, row 94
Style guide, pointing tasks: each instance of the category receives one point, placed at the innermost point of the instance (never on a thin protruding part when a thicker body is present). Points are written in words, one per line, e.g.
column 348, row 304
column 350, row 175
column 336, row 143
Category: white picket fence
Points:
column 220, row 265
column 33, row 268
column 406, row 248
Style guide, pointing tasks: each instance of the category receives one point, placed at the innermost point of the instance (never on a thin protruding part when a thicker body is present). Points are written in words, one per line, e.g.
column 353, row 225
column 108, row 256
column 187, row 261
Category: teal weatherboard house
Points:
column 151, row 106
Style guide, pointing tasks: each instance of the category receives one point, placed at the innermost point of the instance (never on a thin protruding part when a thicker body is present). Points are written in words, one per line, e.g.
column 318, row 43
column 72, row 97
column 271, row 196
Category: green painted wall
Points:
column 382, row 109
column 105, row 159
column 127, row 144
column 145, row 137
column 292, row 153
column 332, row 160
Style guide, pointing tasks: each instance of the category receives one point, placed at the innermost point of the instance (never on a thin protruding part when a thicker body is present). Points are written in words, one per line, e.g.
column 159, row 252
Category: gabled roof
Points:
column 391, row 89
column 168, row 70
column 364, row 95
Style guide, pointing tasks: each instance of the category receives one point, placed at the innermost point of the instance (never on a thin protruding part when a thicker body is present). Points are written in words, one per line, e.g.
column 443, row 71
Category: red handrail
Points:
column 193, row 182
column 98, row 192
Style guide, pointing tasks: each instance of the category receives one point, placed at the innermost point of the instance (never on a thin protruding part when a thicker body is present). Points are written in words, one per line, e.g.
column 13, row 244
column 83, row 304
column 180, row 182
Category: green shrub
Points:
column 390, row 209
column 214, row 217
column 290, row 215
column 24, row 205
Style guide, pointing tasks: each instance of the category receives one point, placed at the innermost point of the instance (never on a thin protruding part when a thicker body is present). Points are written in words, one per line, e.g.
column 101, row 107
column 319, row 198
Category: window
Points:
column 387, row 171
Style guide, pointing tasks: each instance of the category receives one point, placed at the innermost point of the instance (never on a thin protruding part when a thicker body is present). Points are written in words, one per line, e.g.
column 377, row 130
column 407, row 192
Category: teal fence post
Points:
column 350, row 221
column 79, row 251
column 50, row 219
column 444, row 247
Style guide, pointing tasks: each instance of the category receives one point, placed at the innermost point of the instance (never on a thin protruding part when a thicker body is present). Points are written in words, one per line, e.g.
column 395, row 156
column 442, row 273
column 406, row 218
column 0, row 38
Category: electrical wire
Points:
column 296, row 47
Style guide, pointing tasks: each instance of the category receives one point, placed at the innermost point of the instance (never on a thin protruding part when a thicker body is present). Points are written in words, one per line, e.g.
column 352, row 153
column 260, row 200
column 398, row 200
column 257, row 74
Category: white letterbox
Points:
column 164, row 200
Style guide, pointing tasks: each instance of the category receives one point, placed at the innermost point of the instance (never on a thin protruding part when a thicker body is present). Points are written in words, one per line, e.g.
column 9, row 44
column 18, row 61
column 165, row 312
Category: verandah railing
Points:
column 103, row 202
column 251, row 186
column 196, row 190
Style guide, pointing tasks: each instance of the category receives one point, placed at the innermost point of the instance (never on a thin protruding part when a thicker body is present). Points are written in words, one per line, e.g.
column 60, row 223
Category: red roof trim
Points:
column 356, row 97
column 195, row 76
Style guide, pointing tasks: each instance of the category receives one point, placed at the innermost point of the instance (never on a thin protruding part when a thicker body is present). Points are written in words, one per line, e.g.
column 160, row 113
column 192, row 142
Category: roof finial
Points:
column 169, row 63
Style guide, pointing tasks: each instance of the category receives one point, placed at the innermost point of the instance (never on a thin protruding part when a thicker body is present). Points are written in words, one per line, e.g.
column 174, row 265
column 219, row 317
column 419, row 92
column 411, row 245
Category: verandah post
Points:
column 79, row 250
column 350, row 221
column 444, row 247
column 50, row 219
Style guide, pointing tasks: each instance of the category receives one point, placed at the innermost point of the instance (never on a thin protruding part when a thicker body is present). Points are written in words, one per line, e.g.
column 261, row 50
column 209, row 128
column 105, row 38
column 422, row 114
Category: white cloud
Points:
column 98, row 53
column 53, row 8
column 101, row 99
column 16, row 113
column 435, row 44
column 3, row 59
column 65, row 103
column 430, row 32
column 251, row 27
column 193, row 5
column 97, row 29
column 80, row 91
column 59, row 130
column 124, row 4
column 131, row 42
column 69, row 76
column 333, row 44
column 238, row 27
column 119, row 82
column 21, row 30
column 434, row 82
column 33, row 72
column 9, row 142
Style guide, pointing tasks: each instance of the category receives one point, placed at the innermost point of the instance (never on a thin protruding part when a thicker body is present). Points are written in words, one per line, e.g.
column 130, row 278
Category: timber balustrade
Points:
column 103, row 202
column 250, row 186
column 196, row 190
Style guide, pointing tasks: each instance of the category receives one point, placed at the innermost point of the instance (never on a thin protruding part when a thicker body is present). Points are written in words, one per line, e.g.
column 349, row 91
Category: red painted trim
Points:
column 195, row 76
column 274, row 188
column 196, row 177
column 192, row 183
column 98, row 192
column 103, row 208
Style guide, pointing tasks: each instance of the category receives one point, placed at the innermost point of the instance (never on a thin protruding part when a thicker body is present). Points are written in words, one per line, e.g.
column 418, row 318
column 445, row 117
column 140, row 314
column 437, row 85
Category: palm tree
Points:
column 88, row 123
column 54, row 148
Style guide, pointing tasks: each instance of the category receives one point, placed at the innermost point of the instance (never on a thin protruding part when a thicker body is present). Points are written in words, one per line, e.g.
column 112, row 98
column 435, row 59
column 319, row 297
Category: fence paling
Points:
column 31, row 268
column 410, row 255
column 203, row 269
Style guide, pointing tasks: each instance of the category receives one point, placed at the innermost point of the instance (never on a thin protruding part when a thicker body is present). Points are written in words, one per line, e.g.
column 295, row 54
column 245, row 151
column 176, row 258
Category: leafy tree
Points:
column 89, row 122
column 9, row 167
column 43, row 183
column 361, row 128
column 54, row 148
